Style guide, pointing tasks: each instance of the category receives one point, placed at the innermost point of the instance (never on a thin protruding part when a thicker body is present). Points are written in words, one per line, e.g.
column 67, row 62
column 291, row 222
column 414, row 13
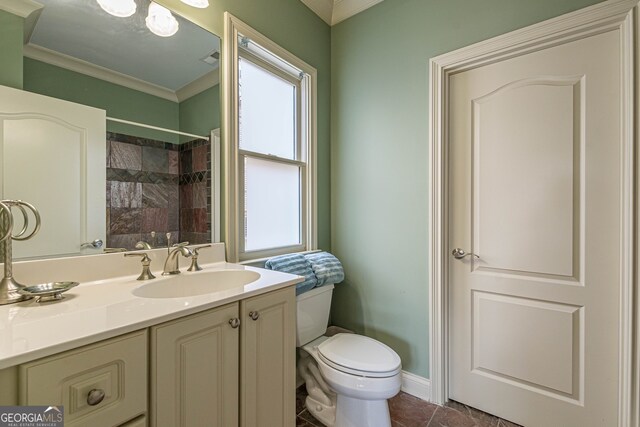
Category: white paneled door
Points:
column 53, row 155
column 535, row 202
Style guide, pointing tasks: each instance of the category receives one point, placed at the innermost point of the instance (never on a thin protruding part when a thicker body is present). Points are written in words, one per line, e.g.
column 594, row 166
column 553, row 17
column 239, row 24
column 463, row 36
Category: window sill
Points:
column 261, row 261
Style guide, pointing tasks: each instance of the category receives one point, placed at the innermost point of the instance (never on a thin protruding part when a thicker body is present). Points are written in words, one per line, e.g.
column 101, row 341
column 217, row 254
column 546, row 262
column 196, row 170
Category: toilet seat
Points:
column 359, row 355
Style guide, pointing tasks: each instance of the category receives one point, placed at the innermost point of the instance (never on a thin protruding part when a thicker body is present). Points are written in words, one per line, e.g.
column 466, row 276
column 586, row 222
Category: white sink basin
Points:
column 191, row 284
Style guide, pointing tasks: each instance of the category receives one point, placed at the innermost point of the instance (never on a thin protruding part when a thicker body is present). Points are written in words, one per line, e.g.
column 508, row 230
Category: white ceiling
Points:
column 82, row 30
column 334, row 11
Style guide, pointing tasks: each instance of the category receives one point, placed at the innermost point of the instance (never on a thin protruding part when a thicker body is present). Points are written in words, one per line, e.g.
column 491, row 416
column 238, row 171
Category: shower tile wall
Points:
column 195, row 191
column 147, row 186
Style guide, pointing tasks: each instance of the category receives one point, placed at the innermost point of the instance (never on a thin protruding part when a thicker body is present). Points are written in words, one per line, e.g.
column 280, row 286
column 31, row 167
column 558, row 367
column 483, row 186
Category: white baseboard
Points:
column 416, row 386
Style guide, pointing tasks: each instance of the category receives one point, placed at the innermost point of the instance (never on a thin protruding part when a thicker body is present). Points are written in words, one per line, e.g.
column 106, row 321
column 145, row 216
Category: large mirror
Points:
column 156, row 75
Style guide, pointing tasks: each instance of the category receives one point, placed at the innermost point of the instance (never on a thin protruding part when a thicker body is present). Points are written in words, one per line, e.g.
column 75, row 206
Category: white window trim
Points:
column 232, row 27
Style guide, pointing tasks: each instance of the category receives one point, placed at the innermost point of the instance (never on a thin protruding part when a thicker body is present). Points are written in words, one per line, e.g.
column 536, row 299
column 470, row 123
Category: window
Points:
column 271, row 140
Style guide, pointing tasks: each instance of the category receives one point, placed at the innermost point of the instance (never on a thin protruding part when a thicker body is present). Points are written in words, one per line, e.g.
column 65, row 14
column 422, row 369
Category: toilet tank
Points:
column 313, row 314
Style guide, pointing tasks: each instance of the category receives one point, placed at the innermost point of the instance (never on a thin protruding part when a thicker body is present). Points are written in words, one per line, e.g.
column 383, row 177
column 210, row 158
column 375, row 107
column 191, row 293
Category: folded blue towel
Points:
column 294, row 264
column 326, row 267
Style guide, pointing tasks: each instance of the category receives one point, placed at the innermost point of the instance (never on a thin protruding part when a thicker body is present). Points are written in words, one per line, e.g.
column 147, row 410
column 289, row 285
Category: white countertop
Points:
column 102, row 309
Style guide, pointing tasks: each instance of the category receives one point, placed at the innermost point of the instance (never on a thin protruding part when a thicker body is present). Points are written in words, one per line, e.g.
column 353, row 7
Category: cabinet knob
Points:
column 95, row 396
column 254, row 315
column 235, row 322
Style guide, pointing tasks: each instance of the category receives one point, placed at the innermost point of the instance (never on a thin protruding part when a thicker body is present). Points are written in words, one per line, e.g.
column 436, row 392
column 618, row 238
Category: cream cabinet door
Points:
column 194, row 370
column 268, row 360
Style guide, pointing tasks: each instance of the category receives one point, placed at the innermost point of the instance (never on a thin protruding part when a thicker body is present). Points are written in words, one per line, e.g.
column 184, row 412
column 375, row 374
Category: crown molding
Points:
column 21, row 8
column 343, row 9
column 210, row 79
column 29, row 10
column 83, row 67
column 335, row 11
column 322, row 8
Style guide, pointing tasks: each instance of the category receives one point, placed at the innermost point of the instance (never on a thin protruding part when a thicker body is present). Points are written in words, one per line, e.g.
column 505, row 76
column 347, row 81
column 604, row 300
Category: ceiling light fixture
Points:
column 119, row 8
column 201, row 4
column 160, row 21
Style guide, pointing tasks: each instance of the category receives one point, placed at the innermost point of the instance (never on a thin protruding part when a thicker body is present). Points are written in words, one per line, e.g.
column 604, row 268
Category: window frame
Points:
column 305, row 149
column 295, row 81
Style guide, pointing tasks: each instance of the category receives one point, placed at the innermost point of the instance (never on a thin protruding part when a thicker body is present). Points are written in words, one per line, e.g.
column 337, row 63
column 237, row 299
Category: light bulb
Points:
column 119, row 8
column 160, row 21
column 201, row 4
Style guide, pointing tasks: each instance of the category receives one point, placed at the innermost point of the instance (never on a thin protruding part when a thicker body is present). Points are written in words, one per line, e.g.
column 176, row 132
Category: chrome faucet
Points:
column 171, row 264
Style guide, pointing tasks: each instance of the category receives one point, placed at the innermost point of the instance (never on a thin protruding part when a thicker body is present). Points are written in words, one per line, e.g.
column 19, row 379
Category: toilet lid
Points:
column 359, row 355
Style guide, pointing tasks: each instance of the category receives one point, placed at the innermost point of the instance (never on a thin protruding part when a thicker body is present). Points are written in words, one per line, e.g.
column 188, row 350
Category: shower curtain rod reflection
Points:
column 127, row 122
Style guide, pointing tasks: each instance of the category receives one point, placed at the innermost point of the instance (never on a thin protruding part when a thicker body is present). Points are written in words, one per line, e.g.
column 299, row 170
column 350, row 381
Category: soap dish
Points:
column 45, row 292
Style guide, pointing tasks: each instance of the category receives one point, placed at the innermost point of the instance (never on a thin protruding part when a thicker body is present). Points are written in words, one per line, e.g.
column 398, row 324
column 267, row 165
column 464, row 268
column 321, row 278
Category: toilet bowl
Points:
column 349, row 377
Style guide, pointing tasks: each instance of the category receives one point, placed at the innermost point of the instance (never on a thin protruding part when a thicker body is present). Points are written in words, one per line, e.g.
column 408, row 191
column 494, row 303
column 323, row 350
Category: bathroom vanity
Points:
column 225, row 357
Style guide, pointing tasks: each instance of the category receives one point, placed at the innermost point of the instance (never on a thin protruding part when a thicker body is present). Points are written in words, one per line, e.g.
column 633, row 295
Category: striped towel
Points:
column 326, row 267
column 294, row 264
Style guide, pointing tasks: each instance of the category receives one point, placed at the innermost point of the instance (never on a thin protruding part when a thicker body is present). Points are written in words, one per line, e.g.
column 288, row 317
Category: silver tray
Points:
column 47, row 291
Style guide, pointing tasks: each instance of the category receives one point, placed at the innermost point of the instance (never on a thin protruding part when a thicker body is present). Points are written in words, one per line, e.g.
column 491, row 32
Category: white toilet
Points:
column 349, row 377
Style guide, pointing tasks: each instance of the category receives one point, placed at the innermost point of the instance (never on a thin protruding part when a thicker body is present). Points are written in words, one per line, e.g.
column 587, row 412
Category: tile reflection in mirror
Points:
column 158, row 187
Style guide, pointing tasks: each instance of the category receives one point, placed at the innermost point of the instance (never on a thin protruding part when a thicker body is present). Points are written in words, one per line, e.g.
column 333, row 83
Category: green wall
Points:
column 11, row 34
column 120, row 102
column 200, row 114
column 379, row 137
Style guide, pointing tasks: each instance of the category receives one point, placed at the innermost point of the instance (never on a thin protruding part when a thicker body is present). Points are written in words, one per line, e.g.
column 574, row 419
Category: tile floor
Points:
column 409, row 411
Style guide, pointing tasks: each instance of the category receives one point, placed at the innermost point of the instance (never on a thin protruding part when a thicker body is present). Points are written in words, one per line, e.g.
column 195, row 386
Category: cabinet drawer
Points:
column 115, row 367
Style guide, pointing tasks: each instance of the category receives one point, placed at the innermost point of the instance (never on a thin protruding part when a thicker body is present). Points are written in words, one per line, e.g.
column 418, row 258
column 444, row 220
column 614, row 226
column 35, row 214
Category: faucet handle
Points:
column 146, row 262
column 177, row 245
column 112, row 250
column 144, row 255
column 197, row 248
column 194, row 258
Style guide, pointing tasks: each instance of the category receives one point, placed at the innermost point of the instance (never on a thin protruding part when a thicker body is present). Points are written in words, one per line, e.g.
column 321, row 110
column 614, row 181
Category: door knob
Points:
column 459, row 253
column 96, row 244
column 254, row 315
column 235, row 322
